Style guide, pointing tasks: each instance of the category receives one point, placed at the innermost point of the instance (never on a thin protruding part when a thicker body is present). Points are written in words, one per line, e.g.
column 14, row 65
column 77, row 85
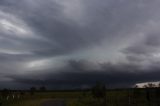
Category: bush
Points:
column 99, row 91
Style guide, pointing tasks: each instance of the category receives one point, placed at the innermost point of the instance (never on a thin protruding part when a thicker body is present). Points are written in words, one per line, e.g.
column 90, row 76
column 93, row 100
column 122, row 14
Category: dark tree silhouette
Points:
column 99, row 91
column 151, row 85
column 5, row 92
column 42, row 88
column 32, row 90
column 22, row 93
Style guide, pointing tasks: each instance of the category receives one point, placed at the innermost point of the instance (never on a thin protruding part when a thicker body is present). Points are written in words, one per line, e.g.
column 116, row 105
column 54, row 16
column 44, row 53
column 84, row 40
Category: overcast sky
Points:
column 76, row 43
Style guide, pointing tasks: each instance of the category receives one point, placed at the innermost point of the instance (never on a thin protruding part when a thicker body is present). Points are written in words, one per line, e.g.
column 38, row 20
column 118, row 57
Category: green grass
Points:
column 36, row 102
column 38, row 98
column 23, row 101
column 119, row 98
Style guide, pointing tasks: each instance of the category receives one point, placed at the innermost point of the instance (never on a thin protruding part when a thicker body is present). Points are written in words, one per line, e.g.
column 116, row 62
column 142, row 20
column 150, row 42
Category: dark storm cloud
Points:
column 76, row 74
column 44, row 38
column 49, row 21
column 101, row 20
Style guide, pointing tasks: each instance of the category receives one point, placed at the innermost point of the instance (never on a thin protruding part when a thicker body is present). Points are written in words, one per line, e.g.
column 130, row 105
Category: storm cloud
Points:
column 79, row 42
column 79, row 74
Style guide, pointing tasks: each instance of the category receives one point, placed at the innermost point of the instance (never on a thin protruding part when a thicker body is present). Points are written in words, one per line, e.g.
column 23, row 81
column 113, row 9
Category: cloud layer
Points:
column 79, row 42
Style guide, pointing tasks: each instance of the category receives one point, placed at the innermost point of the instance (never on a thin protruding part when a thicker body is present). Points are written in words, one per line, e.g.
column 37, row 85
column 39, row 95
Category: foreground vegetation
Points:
column 96, row 97
column 127, row 97
column 27, row 98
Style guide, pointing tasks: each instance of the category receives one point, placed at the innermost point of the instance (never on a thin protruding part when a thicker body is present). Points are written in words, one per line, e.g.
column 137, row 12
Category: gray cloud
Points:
column 145, row 49
column 49, row 20
column 50, row 38
column 78, row 75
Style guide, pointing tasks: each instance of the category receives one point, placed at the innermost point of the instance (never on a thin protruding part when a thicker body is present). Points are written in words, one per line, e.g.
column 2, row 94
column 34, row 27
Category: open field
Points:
column 122, row 97
column 28, row 99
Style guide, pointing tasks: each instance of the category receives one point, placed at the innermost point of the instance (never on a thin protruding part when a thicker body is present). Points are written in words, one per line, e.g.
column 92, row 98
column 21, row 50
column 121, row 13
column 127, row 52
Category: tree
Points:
column 5, row 92
column 42, row 88
column 159, row 85
column 22, row 93
column 99, row 91
column 145, row 86
column 136, row 86
column 32, row 90
column 151, row 85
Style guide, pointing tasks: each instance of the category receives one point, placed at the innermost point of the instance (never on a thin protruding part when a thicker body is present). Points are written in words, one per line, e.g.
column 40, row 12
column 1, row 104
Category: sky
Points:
column 77, row 43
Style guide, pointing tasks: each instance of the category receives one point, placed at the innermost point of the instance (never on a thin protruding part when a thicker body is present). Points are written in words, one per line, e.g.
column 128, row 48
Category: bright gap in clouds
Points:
column 12, row 27
column 15, row 27
column 45, row 64
column 14, row 52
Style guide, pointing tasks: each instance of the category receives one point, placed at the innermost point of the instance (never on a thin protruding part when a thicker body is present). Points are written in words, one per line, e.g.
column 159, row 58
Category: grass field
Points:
column 123, row 97
column 39, row 97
